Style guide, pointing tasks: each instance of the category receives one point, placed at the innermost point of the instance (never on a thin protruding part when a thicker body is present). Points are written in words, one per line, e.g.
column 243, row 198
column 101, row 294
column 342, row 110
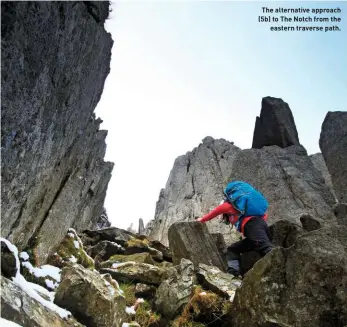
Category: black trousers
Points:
column 257, row 238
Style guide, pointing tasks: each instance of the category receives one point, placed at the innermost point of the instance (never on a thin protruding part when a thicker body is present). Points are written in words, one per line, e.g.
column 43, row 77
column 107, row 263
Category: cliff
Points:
column 55, row 59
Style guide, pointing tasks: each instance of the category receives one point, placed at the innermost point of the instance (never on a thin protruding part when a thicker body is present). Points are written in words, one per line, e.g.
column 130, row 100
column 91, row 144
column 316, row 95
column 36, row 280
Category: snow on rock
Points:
column 32, row 289
column 130, row 310
column 24, row 256
column 77, row 245
column 43, row 271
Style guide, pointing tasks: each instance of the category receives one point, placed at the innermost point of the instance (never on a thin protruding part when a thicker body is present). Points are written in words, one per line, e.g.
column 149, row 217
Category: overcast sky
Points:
column 181, row 71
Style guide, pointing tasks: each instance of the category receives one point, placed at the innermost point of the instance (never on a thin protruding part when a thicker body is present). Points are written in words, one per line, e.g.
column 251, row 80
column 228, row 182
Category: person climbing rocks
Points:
column 245, row 208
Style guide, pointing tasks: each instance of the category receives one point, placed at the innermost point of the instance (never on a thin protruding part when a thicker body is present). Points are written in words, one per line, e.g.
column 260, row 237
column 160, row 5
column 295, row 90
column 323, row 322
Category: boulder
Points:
column 144, row 290
column 19, row 307
column 136, row 272
column 167, row 255
column 333, row 144
column 111, row 234
column 8, row 261
column 192, row 241
column 103, row 250
column 213, row 279
column 284, row 233
column 174, row 293
column 138, row 258
column 53, row 173
column 275, row 125
column 137, row 245
column 71, row 250
column 95, row 300
column 302, row 286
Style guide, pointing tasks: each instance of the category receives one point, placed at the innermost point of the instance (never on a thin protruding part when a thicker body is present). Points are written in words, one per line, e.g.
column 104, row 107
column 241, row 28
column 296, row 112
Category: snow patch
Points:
column 31, row 288
column 24, row 256
column 43, row 271
column 77, row 245
column 130, row 310
column 125, row 324
column 73, row 259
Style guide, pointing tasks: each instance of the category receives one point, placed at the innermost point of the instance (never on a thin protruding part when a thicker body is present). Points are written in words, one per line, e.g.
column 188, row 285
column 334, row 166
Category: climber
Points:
column 245, row 208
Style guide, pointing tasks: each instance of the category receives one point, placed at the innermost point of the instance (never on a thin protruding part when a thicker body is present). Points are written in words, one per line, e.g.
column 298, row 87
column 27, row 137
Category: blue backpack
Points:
column 246, row 199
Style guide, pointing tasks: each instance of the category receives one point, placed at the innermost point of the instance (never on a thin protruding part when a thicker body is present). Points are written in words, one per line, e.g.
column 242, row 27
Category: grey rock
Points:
column 285, row 233
column 144, row 290
column 290, row 182
column 129, row 272
column 319, row 163
column 167, row 255
column 141, row 229
column 55, row 59
column 149, row 227
column 275, row 125
column 192, row 241
column 111, row 234
column 103, row 221
column 19, row 307
column 304, row 285
column 104, row 250
column 340, row 211
column 94, row 299
column 195, row 186
column 217, row 281
column 286, row 176
column 142, row 248
column 333, row 144
column 8, row 262
column 174, row 293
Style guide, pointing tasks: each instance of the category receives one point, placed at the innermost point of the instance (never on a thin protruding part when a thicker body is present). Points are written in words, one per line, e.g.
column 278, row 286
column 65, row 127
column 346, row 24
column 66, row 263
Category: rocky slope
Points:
column 134, row 282
column 55, row 59
column 277, row 165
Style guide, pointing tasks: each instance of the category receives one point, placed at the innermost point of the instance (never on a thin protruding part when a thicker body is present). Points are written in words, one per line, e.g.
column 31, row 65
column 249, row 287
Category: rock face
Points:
column 275, row 125
column 174, row 293
column 277, row 165
column 195, row 186
column 289, row 180
column 103, row 221
column 141, row 229
column 319, row 163
column 55, row 59
column 191, row 240
column 304, row 285
column 91, row 298
column 19, row 307
column 333, row 144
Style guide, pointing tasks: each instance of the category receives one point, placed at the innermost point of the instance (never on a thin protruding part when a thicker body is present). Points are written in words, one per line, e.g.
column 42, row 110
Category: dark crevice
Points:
column 61, row 187
column 93, row 11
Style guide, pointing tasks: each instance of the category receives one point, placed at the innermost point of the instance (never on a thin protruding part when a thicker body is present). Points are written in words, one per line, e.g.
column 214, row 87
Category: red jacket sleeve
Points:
column 222, row 208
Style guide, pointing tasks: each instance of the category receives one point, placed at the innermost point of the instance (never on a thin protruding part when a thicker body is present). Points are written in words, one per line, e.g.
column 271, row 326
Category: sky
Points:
column 184, row 70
